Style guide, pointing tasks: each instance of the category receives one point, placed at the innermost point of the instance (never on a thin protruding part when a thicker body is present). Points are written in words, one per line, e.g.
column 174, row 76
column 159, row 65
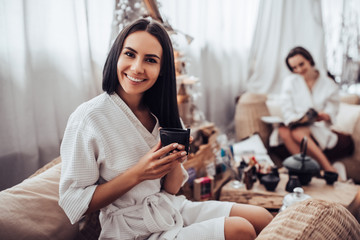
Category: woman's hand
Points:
column 173, row 180
column 322, row 116
column 157, row 162
column 181, row 147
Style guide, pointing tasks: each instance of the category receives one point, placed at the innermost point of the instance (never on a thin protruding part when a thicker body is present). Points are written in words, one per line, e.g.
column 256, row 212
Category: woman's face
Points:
column 139, row 63
column 299, row 64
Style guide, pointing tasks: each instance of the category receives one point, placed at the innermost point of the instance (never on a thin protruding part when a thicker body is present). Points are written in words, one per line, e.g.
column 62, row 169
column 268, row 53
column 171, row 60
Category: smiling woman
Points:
column 113, row 159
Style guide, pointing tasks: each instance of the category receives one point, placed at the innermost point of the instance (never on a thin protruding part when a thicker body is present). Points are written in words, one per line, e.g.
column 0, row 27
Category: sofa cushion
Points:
column 352, row 164
column 350, row 98
column 346, row 118
column 273, row 103
column 249, row 110
column 313, row 219
column 30, row 209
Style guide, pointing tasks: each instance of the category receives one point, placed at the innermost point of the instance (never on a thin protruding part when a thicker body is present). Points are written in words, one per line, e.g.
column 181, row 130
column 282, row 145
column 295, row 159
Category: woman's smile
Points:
column 134, row 79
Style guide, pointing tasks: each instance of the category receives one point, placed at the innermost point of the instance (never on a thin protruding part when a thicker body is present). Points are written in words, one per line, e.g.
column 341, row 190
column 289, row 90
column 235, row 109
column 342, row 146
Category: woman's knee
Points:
column 284, row 132
column 262, row 218
column 299, row 133
column 238, row 227
column 258, row 216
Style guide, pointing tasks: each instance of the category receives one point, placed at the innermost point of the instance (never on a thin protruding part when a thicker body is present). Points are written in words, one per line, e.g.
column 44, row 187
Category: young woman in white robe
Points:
column 308, row 88
column 112, row 158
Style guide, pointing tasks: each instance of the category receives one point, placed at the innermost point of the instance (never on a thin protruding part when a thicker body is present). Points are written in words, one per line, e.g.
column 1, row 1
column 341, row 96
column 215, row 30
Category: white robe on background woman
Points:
column 103, row 139
column 297, row 99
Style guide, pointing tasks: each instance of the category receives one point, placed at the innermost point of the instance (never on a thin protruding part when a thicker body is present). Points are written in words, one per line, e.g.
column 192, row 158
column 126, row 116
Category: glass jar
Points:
column 296, row 196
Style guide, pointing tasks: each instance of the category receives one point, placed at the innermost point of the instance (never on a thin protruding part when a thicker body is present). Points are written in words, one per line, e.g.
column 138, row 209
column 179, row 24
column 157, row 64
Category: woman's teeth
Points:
column 135, row 79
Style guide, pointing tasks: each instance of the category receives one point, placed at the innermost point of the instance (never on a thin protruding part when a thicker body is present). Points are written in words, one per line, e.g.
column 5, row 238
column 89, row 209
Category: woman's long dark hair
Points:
column 301, row 51
column 161, row 97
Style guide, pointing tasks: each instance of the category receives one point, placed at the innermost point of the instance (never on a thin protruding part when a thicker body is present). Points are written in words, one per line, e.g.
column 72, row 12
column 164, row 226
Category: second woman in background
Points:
column 309, row 88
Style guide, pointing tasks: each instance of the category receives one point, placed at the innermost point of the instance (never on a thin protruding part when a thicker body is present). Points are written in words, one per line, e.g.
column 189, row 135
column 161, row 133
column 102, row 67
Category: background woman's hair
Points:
column 161, row 97
column 303, row 52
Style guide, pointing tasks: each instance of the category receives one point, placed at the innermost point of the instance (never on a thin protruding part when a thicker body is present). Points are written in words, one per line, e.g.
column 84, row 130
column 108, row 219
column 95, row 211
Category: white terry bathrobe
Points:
column 104, row 138
column 324, row 96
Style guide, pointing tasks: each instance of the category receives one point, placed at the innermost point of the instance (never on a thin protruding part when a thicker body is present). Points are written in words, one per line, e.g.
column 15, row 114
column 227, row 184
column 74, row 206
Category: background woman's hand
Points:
column 159, row 161
column 322, row 116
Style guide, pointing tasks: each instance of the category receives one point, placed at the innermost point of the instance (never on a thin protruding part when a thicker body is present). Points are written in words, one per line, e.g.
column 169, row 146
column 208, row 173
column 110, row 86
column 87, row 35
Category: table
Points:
column 341, row 192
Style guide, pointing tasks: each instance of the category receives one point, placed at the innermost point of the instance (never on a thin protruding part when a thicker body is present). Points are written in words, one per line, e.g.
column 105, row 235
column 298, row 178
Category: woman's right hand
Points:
column 322, row 116
column 157, row 162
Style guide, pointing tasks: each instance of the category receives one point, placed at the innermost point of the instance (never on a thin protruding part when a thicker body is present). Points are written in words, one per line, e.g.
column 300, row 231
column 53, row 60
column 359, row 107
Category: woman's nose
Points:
column 137, row 66
column 297, row 70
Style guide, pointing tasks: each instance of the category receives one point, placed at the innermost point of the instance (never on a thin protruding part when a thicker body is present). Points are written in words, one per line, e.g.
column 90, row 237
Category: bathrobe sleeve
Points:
column 80, row 173
column 184, row 174
column 333, row 101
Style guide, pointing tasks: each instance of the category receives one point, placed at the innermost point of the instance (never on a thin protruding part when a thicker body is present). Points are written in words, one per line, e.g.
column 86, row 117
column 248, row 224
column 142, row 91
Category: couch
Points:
column 30, row 210
column 250, row 107
column 312, row 219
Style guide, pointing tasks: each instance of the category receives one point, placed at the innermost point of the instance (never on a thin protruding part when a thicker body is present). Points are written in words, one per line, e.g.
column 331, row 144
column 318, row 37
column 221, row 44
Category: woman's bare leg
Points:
column 291, row 145
column 292, row 140
column 258, row 217
column 238, row 228
column 313, row 149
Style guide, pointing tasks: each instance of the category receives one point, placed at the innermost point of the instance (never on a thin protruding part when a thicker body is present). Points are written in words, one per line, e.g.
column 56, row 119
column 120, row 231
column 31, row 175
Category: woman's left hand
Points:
column 322, row 116
column 180, row 147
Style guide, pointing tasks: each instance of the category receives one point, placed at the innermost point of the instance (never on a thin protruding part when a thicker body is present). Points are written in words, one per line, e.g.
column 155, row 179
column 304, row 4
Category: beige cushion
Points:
column 30, row 209
column 274, row 106
column 249, row 110
column 313, row 219
column 352, row 164
column 350, row 98
column 346, row 118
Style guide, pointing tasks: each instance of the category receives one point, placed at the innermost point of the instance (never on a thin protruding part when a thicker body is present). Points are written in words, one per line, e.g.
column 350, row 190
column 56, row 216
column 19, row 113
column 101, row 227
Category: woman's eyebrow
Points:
column 153, row 55
column 147, row 55
column 131, row 49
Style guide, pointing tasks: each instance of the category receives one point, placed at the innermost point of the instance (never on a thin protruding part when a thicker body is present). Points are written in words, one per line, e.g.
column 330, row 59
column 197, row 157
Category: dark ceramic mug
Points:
column 330, row 177
column 175, row 135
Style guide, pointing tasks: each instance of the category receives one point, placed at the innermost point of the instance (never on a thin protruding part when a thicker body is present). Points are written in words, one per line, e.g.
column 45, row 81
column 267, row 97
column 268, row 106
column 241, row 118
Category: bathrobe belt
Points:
column 158, row 213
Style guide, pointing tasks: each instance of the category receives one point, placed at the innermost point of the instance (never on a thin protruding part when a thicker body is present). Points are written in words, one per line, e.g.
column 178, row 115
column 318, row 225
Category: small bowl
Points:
column 330, row 177
column 270, row 181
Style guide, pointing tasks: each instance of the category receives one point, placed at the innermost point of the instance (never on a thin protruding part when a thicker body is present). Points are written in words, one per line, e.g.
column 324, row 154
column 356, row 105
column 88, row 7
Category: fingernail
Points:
column 183, row 153
column 175, row 145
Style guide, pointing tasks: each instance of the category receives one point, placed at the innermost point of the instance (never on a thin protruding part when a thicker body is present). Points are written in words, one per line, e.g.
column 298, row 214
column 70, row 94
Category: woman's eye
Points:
column 129, row 54
column 151, row 60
